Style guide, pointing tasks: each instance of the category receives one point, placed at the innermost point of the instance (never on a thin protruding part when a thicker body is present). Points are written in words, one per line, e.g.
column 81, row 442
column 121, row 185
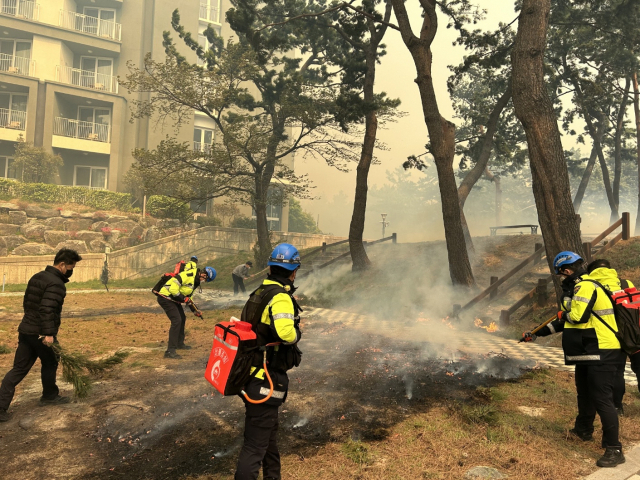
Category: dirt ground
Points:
column 360, row 406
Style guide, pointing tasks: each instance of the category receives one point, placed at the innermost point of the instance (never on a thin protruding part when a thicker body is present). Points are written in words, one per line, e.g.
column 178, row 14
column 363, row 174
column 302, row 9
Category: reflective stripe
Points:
column 584, row 357
column 607, row 311
column 278, row 316
column 276, row 394
column 582, row 299
column 553, row 330
column 216, row 337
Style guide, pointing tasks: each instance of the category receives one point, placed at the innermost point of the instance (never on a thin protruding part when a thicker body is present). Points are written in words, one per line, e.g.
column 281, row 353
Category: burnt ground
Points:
column 154, row 418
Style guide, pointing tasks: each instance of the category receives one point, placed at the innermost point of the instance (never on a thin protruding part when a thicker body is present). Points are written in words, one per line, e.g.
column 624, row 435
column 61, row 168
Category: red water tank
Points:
column 229, row 366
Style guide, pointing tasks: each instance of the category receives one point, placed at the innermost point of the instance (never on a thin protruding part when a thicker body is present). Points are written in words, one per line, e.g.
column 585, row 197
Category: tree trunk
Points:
column 534, row 109
column 636, row 111
column 475, row 173
column 617, row 150
column 584, row 182
column 441, row 135
column 359, row 258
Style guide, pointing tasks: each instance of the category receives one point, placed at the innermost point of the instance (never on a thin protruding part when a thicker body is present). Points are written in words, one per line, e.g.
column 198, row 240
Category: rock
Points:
column 55, row 223
column 152, row 233
column 532, row 411
column 34, row 231
column 37, row 212
column 172, row 231
column 69, row 214
column 88, row 215
column 53, row 237
column 113, row 237
column 88, row 236
column 98, row 226
column 77, row 245
column 484, row 473
column 97, row 246
column 137, row 232
column 26, row 423
column 33, row 249
column 7, row 207
column 148, row 222
column 126, row 242
column 18, row 217
column 3, row 252
column 8, row 229
column 77, row 224
column 168, row 223
column 13, row 241
column 116, row 218
column 125, row 226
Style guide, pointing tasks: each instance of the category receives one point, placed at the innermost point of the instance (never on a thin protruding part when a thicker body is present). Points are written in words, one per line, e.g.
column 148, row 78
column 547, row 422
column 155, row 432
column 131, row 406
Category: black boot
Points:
column 172, row 354
column 184, row 347
column 57, row 400
column 620, row 410
column 4, row 415
column 612, row 457
column 585, row 437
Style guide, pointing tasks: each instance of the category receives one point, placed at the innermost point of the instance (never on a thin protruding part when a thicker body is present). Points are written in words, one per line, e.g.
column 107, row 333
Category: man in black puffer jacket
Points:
column 42, row 305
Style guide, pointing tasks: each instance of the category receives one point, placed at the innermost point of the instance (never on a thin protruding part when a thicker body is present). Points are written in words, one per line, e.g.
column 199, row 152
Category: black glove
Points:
column 529, row 337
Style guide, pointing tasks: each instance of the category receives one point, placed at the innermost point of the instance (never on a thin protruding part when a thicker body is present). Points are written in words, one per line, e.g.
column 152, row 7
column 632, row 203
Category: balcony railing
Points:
column 209, row 13
column 17, row 65
column 91, row 25
column 13, row 119
column 202, row 147
column 68, row 127
column 21, row 9
column 87, row 79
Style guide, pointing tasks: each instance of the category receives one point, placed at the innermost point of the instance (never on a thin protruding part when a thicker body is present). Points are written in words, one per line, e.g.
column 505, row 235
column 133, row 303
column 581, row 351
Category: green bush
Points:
column 160, row 206
column 207, row 221
column 244, row 222
column 60, row 194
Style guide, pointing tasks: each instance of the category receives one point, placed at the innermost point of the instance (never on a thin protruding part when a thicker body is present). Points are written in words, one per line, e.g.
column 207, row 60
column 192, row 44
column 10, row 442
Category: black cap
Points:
column 250, row 263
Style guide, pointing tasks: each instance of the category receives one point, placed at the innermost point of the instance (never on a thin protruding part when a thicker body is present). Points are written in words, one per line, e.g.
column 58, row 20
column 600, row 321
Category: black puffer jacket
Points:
column 43, row 303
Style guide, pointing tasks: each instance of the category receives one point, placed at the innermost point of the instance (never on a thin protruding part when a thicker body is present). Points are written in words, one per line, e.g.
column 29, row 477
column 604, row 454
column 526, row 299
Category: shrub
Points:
column 357, row 452
column 160, row 206
column 4, row 349
column 207, row 221
column 50, row 193
column 244, row 222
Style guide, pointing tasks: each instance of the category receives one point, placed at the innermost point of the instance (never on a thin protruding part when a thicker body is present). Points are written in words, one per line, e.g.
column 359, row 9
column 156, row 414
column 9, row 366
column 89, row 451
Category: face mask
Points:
column 68, row 273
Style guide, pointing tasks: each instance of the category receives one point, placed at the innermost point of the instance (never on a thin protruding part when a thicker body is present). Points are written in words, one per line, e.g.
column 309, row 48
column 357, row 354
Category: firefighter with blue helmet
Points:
column 274, row 313
column 176, row 291
column 588, row 323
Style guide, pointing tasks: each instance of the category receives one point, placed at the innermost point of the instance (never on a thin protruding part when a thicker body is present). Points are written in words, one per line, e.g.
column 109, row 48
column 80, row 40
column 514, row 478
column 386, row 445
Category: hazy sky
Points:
column 395, row 76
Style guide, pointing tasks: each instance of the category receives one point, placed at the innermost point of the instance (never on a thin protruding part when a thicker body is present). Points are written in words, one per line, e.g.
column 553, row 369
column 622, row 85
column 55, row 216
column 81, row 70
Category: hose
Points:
column 264, row 366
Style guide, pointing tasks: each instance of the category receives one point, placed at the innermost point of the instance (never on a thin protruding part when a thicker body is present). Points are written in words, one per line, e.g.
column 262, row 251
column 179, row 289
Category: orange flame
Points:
column 492, row 327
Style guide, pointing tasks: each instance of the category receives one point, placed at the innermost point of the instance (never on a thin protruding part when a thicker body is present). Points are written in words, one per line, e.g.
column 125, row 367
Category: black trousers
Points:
column 30, row 348
column 595, row 384
column 238, row 283
column 635, row 366
column 619, row 387
column 260, row 447
column 175, row 312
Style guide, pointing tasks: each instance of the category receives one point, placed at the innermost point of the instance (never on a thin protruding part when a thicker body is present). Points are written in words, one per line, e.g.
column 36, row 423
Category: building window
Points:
column 13, row 110
column 199, row 206
column 94, row 123
column 210, row 10
column 202, row 139
column 7, row 170
column 96, row 73
column 92, row 177
column 15, row 56
column 204, row 42
column 100, row 22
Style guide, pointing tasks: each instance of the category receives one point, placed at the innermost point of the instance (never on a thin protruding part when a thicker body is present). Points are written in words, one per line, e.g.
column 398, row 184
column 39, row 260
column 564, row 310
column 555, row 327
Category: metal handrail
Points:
column 21, row 8
column 87, row 79
column 68, row 127
column 90, row 25
column 202, row 147
column 13, row 119
column 18, row 65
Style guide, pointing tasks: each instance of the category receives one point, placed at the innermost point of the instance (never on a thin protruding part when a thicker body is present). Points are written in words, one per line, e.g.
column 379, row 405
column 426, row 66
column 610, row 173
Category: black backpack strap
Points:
column 624, row 284
column 267, row 295
column 613, row 305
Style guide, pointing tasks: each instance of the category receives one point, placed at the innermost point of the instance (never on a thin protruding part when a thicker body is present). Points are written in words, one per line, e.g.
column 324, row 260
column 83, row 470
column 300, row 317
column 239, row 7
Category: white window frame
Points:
column 23, row 40
column 202, row 130
column 100, row 9
column 106, row 176
column 95, row 72
column 11, row 94
column 210, row 4
column 94, row 112
column 6, row 166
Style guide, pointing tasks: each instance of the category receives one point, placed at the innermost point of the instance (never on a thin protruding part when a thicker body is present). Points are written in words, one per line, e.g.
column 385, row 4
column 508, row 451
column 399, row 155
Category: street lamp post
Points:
column 384, row 223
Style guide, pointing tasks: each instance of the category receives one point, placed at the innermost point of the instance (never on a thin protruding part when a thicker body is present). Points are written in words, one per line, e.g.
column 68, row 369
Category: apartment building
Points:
column 59, row 66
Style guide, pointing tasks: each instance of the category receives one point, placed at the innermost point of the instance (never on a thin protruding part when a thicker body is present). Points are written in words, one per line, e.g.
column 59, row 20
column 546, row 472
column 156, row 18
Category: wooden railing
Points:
column 540, row 295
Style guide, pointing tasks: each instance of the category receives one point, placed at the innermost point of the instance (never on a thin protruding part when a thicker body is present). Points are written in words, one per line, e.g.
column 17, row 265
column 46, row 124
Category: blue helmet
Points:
column 286, row 256
column 194, row 259
column 564, row 259
column 211, row 274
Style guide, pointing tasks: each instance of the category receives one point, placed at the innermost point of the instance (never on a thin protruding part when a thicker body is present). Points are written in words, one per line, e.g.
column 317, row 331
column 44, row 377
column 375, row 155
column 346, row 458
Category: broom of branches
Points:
column 77, row 369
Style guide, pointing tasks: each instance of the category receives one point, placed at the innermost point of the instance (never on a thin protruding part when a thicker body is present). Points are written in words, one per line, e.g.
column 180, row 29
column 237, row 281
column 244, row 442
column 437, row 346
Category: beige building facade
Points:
column 59, row 66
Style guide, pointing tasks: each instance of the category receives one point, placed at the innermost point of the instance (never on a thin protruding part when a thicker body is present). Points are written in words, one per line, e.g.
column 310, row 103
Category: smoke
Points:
column 301, row 423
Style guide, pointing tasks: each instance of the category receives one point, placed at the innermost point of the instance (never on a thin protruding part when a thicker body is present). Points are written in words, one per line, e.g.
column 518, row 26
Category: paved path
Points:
column 434, row 332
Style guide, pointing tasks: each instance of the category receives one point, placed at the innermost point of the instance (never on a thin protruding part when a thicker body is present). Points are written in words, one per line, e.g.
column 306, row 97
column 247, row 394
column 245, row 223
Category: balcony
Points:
column 90, row 25
column 209, row 13
column 17, row 65
column 21, row 9
column 13, row 119
column 84, row 136
column 202, row 147
column 87, row 79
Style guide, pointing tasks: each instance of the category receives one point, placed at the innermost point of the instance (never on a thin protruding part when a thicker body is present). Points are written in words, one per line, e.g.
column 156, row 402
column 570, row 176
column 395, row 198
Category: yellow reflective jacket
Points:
column 180, row 286
column 281, row 309
column 585, row 339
